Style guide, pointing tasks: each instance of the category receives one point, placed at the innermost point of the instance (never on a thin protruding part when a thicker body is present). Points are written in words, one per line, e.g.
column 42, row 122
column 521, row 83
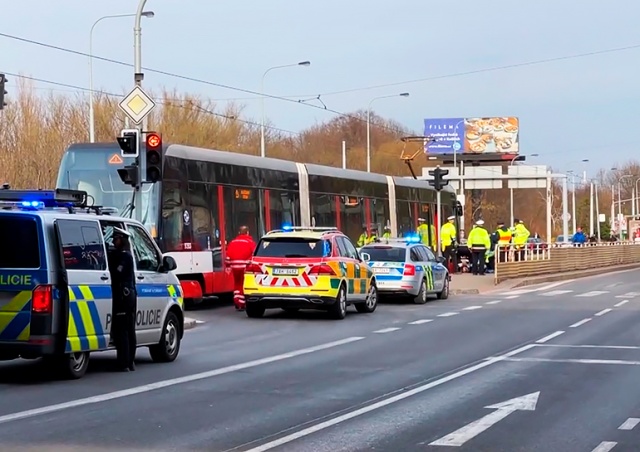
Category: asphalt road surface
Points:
column 548, row 368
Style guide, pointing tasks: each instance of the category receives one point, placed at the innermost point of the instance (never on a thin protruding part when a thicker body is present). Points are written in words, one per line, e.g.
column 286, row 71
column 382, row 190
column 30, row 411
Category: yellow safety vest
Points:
column 447, row 234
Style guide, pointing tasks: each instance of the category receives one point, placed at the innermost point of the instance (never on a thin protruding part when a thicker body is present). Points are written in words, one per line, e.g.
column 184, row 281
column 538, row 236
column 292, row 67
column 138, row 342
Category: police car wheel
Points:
column 444, row 294
column 338, row 309
column 371, row 303
column 421, row 297
column 167, row 349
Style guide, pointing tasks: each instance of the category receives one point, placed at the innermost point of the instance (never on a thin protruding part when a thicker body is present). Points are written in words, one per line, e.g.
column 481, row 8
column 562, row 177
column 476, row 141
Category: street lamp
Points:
column 637, row 196
column 511, row 189
column 262, row 143
column 369, row 125
column 92, row 126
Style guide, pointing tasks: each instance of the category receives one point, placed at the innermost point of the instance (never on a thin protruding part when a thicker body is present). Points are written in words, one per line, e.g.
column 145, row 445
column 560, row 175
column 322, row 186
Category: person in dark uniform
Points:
column 125, row 300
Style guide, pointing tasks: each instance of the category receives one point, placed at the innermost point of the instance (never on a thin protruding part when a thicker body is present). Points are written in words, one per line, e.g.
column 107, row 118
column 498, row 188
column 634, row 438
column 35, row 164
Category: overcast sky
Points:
column 569, row 109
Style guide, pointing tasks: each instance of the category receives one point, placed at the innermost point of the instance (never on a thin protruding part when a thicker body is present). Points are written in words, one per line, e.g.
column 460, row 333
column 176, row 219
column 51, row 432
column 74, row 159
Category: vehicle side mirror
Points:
column 168, row 264
column 366, row 257
column 440, row 260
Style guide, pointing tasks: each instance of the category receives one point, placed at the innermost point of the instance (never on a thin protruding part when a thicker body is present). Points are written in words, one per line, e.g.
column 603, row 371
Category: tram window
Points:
column 203, row 201
column 283, row 208
column 173, row 229
column 323, row 209
column 242, row 208
column 380, row 213
column 352, row 220
column 404, row 213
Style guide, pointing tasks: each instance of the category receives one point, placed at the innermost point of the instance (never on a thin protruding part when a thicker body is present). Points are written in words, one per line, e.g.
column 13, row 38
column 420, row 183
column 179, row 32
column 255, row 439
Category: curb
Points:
column 584, row 274
column 465, row 292
column 189, row 323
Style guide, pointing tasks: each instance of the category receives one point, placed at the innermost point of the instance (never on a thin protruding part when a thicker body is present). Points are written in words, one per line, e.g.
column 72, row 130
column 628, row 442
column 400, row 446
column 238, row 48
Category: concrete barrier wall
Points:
column 567, row 259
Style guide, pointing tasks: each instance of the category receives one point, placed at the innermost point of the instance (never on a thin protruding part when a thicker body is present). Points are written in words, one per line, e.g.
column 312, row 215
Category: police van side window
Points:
column 144, row 252
column 82, row 245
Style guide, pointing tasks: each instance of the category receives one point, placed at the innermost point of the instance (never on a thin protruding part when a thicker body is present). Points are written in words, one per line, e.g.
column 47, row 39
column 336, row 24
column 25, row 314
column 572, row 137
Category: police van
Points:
column 55, row 285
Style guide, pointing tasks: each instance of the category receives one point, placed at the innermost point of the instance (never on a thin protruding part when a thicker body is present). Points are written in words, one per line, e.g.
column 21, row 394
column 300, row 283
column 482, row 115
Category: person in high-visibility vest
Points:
column 479, row 242
column 504, row 235
column 427, row 233
column 362, row 240
column 520, row 238
column 387, row 233
column 448, row 236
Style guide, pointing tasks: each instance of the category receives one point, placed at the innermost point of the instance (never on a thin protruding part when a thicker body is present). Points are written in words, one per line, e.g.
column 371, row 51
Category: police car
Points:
column 406, row 267
column 55, row 285
column 308, row 268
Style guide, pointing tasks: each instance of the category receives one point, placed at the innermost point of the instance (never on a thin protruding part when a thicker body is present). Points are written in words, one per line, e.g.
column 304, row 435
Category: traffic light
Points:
column 154, row 157
column 438, row 181
column 3, row 80
column 129, row 175
column 129, row 141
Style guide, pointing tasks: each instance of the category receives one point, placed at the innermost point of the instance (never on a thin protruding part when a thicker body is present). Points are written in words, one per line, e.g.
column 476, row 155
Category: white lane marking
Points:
column 472, row 308
column 200, row 322
column 494, row 302
column 420, row 322
column 629, row 295
column 615, row 347
column 574, row 361
column 629, row 424
column 448, row 314
column 383, row 403
column 503, row 410
column 622, row 303
column 172, row 382
column 386, row 330
column 511, row 297
column 603, row 312
column 593, row 293
column 549, row 337
column 547, row 287
column 605, row 446
column 554, row 293
column 580, row 323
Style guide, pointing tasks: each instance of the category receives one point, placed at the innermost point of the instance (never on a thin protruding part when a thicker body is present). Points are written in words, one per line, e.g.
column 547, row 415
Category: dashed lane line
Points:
column 549, row 337
column 603, row 312
column 472, row 308
column 511, row 297
column 622, row 303
column 629, row 424
column 448, row 314
column 494, row 302
column 605, row 446
column 386, row 330
column 420, row 322
column 580, row 323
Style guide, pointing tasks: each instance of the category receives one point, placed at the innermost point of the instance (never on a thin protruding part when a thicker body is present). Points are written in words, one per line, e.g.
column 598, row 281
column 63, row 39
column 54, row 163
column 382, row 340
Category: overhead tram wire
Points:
column 171, row 102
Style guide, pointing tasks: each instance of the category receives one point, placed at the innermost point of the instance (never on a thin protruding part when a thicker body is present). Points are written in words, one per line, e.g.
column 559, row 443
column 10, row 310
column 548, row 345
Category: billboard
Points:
column 473, row 135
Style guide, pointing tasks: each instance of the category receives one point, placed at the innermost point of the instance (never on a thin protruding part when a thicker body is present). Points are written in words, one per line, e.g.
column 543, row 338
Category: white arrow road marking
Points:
column 461, row 436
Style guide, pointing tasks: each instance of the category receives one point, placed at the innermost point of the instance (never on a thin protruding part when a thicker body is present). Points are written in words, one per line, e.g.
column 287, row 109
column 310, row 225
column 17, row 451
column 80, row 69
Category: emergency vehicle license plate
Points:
column 285, row 271
column 381, row 270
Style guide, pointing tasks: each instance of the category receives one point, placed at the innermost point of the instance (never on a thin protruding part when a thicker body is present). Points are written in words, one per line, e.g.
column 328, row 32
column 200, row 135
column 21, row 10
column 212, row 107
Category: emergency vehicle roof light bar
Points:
column 310, row 228
column 50, row 198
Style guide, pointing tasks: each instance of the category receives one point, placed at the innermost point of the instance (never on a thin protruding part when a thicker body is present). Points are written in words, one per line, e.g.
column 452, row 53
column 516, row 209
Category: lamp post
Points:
column 369, row 125
column 620, row 199
column 262, row 142
column 573, row 200
column 92, row 126
column 511, row 189
column 637, row 196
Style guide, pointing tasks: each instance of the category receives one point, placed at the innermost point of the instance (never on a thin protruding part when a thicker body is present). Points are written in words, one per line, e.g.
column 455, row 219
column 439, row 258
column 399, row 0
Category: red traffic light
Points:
column 153, row 141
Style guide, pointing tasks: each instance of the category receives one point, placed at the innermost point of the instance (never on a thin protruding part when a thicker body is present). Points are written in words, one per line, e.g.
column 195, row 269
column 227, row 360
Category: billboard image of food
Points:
column 495, row 135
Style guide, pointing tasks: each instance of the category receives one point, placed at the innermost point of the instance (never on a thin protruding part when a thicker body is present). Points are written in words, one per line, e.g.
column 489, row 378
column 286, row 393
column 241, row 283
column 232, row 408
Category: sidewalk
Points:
column 189, row 323
column 469, row 284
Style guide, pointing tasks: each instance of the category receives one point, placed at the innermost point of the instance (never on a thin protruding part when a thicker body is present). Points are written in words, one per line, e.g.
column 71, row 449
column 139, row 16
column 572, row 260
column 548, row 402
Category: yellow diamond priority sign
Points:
column 137, row 105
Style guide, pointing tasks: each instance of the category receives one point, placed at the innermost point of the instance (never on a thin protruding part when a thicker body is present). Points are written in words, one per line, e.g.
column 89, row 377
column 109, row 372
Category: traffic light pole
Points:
column 138, row 77
column 439, row 213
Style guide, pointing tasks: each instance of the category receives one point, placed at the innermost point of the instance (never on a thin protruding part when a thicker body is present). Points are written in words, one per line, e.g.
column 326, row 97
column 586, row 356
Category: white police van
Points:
column 55, row 285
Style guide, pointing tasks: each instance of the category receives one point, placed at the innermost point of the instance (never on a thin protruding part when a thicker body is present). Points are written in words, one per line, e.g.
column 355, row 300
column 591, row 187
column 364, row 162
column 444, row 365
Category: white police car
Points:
column 404, row 267
column 55, row 285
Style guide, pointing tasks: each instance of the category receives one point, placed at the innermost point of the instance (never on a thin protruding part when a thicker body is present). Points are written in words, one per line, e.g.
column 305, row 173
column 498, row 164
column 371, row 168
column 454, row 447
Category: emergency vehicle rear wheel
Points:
column 372, row 301
column 421, row 298
column 254, row 311
column 338, row 309
column 167, row 349
column 71, row 366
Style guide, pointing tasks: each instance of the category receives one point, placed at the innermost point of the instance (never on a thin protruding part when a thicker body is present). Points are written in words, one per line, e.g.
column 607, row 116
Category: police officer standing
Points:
column 125, row 300
column 479, row 242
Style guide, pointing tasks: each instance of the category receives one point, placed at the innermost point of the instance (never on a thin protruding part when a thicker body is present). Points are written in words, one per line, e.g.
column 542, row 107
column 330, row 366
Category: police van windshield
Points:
column 94, row 170
column 19, row 243
column 293, row 247
column 385, row 253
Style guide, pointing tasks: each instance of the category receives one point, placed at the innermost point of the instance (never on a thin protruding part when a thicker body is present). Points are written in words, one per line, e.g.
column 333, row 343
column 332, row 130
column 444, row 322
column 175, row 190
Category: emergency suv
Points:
column 55, row 284
column 308, row 268
column 406, row 267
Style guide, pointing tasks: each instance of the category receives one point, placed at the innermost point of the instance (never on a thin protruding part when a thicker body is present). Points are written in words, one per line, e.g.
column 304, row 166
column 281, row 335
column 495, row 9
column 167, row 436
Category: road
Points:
column 548, row 368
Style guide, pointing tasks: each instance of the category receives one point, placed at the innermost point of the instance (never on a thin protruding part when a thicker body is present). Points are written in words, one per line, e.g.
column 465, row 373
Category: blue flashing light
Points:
column 287, row 227
column 413, row 239
column 32, row 204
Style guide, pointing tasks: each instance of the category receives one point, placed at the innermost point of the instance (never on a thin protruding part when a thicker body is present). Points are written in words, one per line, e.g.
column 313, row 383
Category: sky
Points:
column 570, row 109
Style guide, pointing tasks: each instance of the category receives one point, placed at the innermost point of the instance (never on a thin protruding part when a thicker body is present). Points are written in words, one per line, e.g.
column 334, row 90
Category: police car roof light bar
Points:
column 49, row 198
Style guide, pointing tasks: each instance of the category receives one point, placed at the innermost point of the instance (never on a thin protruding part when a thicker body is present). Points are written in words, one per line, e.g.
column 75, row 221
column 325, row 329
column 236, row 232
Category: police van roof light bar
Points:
column 49, row 198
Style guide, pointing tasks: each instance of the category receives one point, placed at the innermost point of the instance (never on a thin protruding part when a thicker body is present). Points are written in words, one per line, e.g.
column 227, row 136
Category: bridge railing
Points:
column 545, row 259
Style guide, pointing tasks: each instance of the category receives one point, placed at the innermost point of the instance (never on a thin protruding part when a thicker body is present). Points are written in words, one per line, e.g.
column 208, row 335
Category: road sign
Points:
column 566, row 215
column 137, row 105
column 461, row 436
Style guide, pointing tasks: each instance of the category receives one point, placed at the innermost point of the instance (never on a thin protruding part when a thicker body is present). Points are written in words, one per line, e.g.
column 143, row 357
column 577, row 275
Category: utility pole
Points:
column 438, row 183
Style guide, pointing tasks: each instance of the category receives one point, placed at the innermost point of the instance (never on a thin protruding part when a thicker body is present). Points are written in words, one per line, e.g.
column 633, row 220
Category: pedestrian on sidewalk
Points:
column 479, row 242
column 239, row 253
